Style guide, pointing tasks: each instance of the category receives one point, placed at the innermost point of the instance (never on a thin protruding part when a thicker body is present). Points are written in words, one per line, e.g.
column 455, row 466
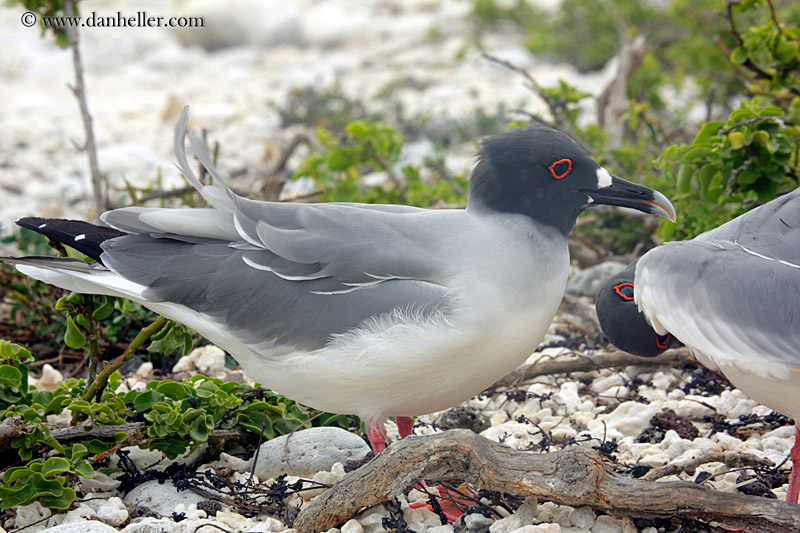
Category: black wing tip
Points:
column 33, row 223
column 83, row 236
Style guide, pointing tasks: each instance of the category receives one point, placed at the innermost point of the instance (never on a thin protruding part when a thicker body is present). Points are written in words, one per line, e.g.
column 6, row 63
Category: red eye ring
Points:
column 618, row 290
column 552, row 168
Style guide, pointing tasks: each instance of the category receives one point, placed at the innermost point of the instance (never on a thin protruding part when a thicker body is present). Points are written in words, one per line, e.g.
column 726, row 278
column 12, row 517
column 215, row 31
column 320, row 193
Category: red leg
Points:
column 376, row 433
column 405, row 425
column 794, row 479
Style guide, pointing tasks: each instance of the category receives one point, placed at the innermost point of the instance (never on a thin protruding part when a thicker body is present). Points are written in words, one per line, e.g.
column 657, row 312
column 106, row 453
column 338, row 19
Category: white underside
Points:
column 778, row 393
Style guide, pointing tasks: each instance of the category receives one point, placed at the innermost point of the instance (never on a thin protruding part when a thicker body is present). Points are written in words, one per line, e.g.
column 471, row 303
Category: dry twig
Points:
column 79, row 90
column 730, row 458
column 587, row 364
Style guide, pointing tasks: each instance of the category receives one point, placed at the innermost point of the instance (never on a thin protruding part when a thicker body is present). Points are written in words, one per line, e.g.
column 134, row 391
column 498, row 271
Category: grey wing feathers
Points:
column 353, row 245
column 61, row 263
column 278, row 274
column 256, row 306
column 717, row 298
column 295, row 241
column 771, row 230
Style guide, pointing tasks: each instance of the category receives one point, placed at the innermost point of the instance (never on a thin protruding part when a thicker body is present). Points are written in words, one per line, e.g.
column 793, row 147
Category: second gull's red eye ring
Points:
column 618, row 290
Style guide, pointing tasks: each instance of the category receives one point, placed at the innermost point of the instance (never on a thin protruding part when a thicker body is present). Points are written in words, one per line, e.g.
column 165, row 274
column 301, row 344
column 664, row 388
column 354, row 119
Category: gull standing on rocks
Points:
column 732, row 295
column 373, row 310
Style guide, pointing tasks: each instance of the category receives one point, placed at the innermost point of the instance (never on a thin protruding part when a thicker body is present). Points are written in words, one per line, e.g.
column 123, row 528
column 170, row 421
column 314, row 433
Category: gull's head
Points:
column 544, row 174
column 623, row 323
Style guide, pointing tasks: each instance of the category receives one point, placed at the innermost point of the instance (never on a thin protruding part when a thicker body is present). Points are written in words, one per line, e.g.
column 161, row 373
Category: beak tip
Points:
column 664, row 207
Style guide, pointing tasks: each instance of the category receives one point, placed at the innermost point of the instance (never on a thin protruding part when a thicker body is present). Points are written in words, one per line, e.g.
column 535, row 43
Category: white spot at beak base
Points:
column 603, row 178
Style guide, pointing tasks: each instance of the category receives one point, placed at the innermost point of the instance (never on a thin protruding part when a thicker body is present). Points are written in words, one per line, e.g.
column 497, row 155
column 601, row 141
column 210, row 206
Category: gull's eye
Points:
column 625, row 291
column 561, row 168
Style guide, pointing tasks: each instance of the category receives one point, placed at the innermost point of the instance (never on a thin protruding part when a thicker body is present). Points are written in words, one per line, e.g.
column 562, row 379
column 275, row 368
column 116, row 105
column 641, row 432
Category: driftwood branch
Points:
column 575, row 476
column 588, row 364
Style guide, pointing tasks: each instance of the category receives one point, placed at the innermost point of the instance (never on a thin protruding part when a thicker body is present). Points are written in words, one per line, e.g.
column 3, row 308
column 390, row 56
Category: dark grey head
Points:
column 542, row 173
column 622, row 322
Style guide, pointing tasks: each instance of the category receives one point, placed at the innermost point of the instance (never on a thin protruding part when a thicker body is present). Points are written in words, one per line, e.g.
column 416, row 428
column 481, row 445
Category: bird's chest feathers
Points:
column 508, row 298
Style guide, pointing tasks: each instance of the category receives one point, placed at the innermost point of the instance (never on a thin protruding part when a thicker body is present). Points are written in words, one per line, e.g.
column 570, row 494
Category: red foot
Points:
column 450, row 502
column 376, row 433
column 793, row 491
column 405, row 425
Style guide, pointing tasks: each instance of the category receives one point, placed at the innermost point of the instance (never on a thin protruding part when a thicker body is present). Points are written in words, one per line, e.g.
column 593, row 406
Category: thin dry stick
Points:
column 589, row 363
column 79, row 90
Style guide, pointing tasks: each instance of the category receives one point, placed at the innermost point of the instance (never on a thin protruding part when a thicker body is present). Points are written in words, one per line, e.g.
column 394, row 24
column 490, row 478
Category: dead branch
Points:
column 730, row 459
column 587, row 364
column 302, row 136
column 15, row 427
column 575, row 476
column 612, row 104
column 558, row 114
column 79, row 90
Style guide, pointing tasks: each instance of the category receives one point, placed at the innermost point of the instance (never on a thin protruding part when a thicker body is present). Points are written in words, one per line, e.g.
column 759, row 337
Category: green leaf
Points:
column 173, row 390
column 339, row 160
column 105, row 309
column 84, row 469
column 739, row 55
column 146, row 400
column 78, row 451
column 786, row 52
column 62, row 40
column 704, row 179
column 684, row 182
column 737, row 140
column 55, row 465
column 697, row 152
column 709, row 129
column 62, row 501
column 73, row 336
column 202, row 428
column 14, row 352
column 16, row 496
column 83, row 320
column 10, row 376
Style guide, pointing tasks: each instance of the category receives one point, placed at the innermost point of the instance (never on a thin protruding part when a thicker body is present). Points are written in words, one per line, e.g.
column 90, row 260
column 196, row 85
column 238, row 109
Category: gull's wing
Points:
column 290, row 275
column 354, row 244
column 734, row 306
column 771, row 230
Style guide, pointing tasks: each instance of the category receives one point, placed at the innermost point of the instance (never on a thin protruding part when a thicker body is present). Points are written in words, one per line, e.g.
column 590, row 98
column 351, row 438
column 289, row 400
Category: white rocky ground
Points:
column 137, row 80
column 597, row 406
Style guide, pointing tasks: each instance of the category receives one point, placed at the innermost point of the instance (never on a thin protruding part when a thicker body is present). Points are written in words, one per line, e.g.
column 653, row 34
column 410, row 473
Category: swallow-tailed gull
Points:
column 372, row 310
column 732, row 295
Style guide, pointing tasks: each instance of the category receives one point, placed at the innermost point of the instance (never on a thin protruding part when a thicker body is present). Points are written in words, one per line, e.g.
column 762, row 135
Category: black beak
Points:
column 626, row 194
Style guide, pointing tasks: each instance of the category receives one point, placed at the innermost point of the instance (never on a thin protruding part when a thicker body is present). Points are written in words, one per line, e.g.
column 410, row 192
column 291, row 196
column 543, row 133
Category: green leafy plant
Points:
column 373, row 146
column 749, row 158
column 47, row 9
column 172, row 417
column 731, row 165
